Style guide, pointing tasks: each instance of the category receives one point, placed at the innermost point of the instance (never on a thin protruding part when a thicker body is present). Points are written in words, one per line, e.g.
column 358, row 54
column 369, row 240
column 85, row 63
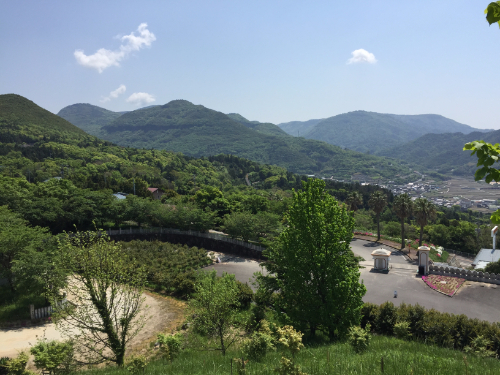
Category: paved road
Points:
column 476, row 300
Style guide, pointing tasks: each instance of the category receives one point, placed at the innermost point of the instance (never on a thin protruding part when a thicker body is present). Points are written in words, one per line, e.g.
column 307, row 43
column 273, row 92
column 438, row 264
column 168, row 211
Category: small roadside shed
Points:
column 381, row 259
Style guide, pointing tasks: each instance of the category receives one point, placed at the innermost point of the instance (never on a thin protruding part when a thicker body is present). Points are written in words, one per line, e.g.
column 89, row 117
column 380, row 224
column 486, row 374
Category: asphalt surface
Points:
column 476, row 300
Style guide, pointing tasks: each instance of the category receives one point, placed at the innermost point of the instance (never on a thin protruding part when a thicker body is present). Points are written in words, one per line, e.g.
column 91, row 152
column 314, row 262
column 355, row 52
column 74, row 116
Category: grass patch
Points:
column 16, row 306
column 433, row 254
column 400, row 357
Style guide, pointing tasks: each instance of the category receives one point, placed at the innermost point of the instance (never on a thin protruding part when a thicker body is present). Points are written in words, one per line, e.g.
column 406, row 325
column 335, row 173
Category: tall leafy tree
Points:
column 310, row 265
column 16, row 239
column 105, row 291
column 377, row 202
column 424, row 212
column 353, row 200
column 215, row 309
column 403, row 208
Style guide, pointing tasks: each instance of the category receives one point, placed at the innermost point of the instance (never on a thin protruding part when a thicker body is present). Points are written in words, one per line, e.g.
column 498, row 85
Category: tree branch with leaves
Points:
column 105, row 298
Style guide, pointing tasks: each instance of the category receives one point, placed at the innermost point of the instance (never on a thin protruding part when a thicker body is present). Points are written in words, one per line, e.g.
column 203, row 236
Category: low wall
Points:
column 202, row 240
column 483, row 277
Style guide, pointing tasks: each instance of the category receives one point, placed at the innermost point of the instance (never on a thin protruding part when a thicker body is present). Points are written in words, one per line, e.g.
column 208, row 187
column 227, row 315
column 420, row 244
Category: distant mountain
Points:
column 442, row 152
column 373, row 132
column 88, row 117
column 198, row 131
column 299, row 128
column 262, row 127
column 22, row 121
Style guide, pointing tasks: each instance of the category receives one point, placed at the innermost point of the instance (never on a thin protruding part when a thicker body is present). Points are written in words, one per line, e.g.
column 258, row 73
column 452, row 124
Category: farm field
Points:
column 466, row 188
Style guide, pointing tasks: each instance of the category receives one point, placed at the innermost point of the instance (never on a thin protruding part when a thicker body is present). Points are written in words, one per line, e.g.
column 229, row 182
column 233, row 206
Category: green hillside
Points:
column 373, row 132
column 22, row 121
column 261, row 127
column 194, row 130
column 88, row 117
column 299, row 128
column 442, row 152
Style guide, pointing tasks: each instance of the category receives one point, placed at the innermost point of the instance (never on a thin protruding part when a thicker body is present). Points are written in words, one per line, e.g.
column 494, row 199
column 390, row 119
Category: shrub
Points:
column 493, row 267
column 386, row 319
column 17, row 366
column 402, row 330
column 259, row 343
column 170, row 345
column 287, row 367
column 54, row 356
column 479, row 346
column 416, row 315
column 359, row 338
column 245, row 294
column 291, row 339
column 3, row 365
column 137, row 364
column 369, row 313
column 240, row 365
column 392, row 228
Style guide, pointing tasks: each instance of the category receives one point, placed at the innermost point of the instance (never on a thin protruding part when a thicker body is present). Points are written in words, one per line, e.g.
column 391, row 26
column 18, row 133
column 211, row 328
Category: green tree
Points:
column 16, row 238
column 403, row 207
column 425, row 211
column 310, row 264
column 105, row 291
column 377, row 202
column 487, row 155
column 353, row 200
column 53, row 356
column 240, row 224
column 215, row 308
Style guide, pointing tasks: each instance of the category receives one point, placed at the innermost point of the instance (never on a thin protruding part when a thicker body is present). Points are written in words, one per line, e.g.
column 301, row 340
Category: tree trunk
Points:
column 378, row 227
column 313, row 331
column 402, row 233
column 421, row 234
column 221, row 336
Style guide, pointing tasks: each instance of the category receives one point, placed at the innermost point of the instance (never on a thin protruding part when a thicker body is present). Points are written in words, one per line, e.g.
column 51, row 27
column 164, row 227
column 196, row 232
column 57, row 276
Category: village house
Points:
column 157, row 193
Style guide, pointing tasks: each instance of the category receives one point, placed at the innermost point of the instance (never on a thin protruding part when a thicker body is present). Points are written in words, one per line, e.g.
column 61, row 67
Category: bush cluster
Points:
column 170, row 267
column 443, row 329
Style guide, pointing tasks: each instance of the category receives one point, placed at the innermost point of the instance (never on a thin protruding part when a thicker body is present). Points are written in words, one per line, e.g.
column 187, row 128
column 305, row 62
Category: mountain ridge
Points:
column 372, row 132
column 197, row 131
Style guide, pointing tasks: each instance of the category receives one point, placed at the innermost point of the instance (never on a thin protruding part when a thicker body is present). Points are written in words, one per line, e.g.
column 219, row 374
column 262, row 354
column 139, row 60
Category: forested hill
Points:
column 90, row 118
column 197, row 131
column 443, row 152
column 372, row 132
column 22, row 121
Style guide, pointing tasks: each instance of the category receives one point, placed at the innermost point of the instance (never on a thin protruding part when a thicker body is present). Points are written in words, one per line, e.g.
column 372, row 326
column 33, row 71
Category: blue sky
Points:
column 273, row 61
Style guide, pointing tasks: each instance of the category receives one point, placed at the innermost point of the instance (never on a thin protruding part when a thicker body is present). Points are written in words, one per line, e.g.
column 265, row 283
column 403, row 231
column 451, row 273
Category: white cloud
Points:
column 104, row 58
column 114, row 94
column 362, row 56
column 141, row 98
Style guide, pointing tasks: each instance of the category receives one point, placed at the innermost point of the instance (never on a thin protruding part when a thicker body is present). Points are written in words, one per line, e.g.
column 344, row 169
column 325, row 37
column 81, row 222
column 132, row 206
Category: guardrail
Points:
column 213, row 236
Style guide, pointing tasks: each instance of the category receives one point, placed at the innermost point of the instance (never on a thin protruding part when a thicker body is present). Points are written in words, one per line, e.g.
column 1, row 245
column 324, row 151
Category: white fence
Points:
column 42, row 312
column 214, row 236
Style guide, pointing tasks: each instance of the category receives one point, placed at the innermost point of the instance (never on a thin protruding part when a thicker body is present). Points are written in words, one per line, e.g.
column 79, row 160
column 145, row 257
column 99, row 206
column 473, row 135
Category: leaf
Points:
column 493, row 13
column 495, row 217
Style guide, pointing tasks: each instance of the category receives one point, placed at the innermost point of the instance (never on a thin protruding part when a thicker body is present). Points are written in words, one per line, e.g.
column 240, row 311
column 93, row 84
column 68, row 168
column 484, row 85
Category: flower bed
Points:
column 444, row 284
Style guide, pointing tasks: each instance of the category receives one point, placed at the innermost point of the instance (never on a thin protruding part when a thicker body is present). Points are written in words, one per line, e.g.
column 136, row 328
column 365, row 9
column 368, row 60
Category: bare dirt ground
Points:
column 163, row 314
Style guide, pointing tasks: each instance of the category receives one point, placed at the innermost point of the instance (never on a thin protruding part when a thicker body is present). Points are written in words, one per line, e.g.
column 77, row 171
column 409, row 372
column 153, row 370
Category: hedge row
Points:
column 443, row 329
